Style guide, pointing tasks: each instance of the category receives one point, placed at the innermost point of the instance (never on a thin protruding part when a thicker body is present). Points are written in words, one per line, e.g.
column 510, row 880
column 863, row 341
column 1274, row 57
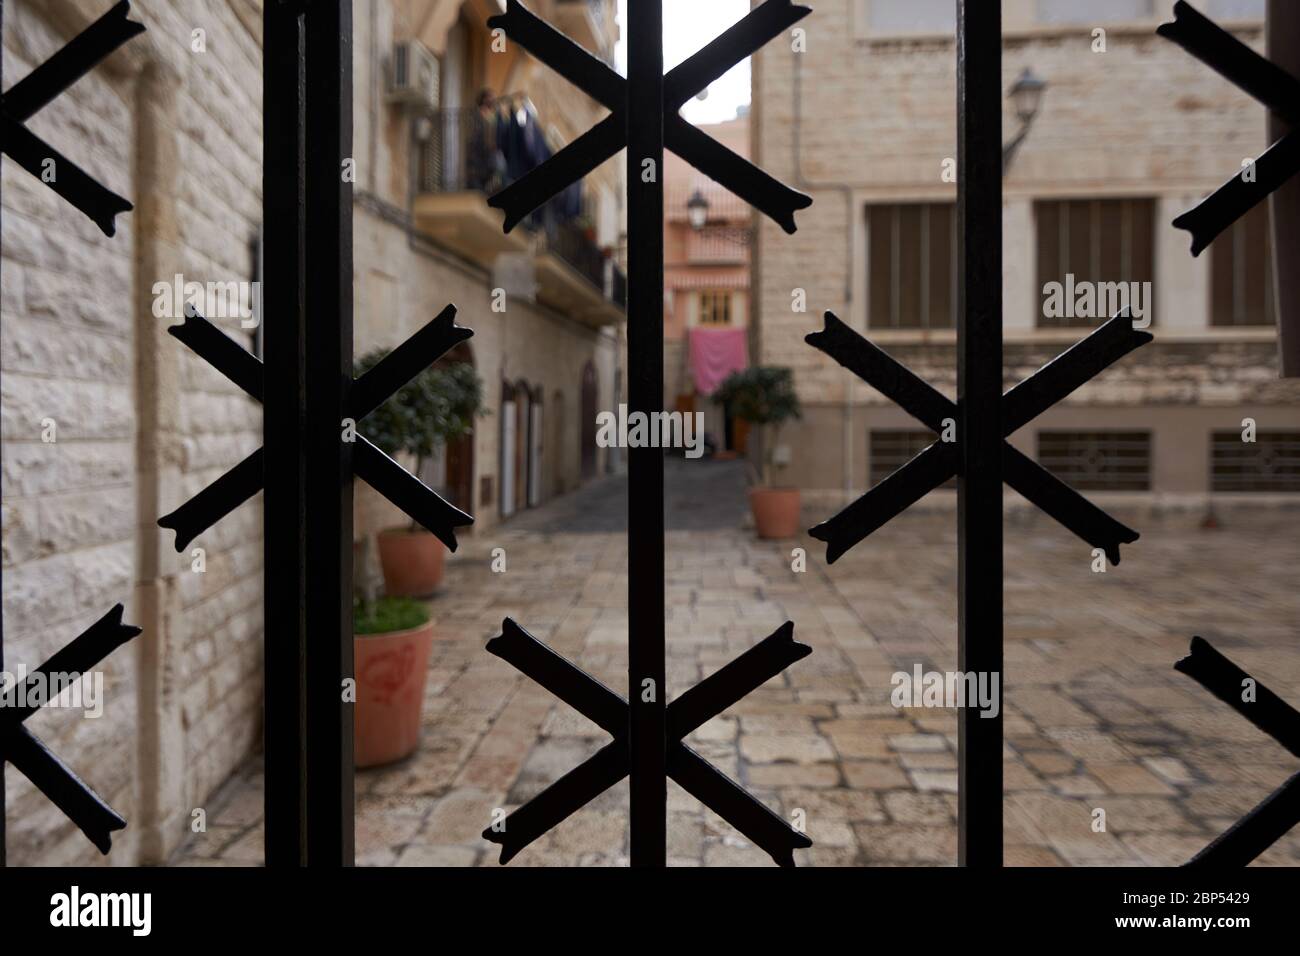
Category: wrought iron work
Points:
column 377, row 469
column 38, row 764
column 647, row 732
column 1278, row 90
column 101, row 205
column 1269, row 821
column 1266, row 82
column 942, row 461
column 979, row 422
column 601, row 83
column 610, row 764
column 27, row 97
column 236, row 486
column 310, row 452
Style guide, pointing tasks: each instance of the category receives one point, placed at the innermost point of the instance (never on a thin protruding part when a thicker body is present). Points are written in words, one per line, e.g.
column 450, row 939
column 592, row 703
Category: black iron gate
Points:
column 311, row 404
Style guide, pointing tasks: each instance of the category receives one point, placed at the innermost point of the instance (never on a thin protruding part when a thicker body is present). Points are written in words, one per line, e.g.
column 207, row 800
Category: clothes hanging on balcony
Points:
column 521, row 143
column 536, row 151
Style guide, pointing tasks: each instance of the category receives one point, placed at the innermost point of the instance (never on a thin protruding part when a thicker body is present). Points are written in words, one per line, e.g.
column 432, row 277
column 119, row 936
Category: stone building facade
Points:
column 1131, row 132
column 108, row 422
column 544, row 301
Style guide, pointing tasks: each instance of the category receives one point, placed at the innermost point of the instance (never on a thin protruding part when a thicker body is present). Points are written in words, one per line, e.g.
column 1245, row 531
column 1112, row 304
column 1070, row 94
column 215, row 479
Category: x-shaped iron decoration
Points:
column 1268, row 83
column 28, row 96
column 368, row 392
column 51, row 776
column 609, row 765
column 942, row 460
column 1269, row 822
column 607, row 137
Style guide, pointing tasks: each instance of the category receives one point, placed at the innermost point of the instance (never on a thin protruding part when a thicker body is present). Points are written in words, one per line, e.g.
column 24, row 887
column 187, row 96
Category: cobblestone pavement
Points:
column 1096, row 718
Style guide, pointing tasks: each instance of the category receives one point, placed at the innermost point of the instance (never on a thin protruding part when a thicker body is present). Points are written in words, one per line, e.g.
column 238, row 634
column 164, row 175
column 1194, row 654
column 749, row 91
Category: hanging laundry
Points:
column 715, row 354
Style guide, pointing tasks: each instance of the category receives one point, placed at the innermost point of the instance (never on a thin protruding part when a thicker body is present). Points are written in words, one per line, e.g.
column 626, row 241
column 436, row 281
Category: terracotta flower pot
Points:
column 412, row 562
column 391, row 672
column 740, row 436
column 776, row 511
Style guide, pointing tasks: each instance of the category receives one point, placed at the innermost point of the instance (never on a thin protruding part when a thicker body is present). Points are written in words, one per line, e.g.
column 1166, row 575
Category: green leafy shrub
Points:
column 436, row 406
column 388, row 614
column 763, row 395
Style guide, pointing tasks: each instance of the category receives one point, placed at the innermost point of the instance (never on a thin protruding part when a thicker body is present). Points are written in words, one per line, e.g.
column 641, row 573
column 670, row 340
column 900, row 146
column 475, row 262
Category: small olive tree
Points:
column 436, row 406
column 764, row 396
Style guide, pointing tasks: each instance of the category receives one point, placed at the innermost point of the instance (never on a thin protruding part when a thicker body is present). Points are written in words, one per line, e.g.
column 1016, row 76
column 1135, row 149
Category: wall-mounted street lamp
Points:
column 697, row 210
column 1026, row 97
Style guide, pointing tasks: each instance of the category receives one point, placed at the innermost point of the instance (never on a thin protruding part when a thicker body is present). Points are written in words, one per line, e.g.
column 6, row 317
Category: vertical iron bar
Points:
column 1283, row 34
column 284, row 515
column 3, row 835
column 979, row 395
column 645, row 529
column 328, row 380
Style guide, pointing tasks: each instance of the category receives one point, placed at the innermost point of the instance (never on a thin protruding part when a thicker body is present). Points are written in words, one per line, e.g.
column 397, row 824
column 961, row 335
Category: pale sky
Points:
column 688, row 25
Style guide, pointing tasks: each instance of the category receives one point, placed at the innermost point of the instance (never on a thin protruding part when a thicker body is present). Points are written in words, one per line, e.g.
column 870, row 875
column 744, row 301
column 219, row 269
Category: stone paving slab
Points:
column 1096, row 718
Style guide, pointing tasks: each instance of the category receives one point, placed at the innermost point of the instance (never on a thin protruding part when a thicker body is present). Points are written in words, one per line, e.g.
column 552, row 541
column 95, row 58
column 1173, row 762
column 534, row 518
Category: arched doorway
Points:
column 459, row 478
column 590, row 396
column 509, row 423
column 557, row 444
column 523, row 429
column 535, row 443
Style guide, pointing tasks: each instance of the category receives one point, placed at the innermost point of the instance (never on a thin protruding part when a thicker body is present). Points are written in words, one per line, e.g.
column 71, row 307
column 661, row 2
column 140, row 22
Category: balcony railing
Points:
column 721, row 245
column 618, row 286
column 571, row 244
column 458, row 153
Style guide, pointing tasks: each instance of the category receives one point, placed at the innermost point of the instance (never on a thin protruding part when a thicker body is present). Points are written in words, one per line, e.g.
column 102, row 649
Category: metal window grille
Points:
column 980, row 456
column 1271, row 85
column 308, row 391
column 1098, row 461
column 889, row 449
column 647, row 733
column 1270, row 463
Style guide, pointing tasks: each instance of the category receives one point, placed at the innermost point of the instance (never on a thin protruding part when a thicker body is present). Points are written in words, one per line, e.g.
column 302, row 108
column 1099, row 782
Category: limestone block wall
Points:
column 175, row 127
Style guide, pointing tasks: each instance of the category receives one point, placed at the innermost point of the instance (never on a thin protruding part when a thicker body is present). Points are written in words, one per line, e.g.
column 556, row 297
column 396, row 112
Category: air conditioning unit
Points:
column 413, row 75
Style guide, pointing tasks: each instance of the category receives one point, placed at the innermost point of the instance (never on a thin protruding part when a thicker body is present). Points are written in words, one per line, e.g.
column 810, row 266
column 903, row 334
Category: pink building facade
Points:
column 707, row 240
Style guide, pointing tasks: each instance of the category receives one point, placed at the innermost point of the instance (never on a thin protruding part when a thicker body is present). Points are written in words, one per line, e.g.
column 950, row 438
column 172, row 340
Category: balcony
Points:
column 575, row 277
column 456, row 173
column 717, row 246
column 459, row 167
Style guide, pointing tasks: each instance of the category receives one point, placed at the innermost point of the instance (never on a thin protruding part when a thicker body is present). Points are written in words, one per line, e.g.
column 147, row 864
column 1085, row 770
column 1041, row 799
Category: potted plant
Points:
column 764, row 397
column 436, row 406
column 391, row 641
